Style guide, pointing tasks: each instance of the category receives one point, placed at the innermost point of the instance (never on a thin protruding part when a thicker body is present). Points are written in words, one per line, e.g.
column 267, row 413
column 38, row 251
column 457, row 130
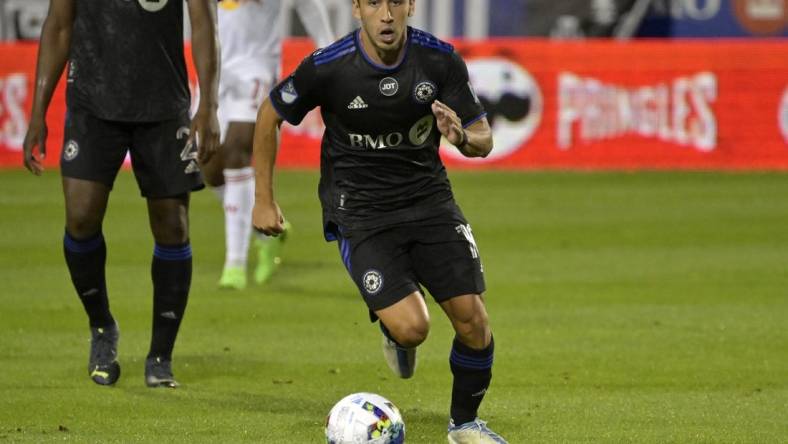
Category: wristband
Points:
column 463, row 141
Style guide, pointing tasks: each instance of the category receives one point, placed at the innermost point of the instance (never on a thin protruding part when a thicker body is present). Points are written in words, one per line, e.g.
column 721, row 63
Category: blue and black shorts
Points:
column 387, row 265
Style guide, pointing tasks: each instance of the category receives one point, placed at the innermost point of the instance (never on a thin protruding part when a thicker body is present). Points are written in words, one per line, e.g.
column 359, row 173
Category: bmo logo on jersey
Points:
column 379, row 142
column 153, row 5
column 418, row 135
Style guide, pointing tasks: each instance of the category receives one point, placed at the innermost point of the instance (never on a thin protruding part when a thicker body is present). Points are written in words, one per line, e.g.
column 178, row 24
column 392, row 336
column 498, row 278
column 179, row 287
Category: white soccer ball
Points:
column 364, row 418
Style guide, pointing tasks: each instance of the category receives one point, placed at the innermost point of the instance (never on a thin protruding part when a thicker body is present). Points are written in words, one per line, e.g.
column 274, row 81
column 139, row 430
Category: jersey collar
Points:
column 377, row 66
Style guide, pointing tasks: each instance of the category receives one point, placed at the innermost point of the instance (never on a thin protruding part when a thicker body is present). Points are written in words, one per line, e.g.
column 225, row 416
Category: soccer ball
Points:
column 364, row 418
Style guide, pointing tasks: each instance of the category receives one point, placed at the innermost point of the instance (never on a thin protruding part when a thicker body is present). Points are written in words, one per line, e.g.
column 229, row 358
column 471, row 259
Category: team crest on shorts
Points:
column 70, row 150
column 373, row 281
column 153, row 5
column 288, row 92
column 425, row 92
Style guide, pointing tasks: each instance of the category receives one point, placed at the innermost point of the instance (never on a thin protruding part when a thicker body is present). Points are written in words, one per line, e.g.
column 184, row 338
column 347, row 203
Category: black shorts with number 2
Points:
column 94, row 149
column 387, row 265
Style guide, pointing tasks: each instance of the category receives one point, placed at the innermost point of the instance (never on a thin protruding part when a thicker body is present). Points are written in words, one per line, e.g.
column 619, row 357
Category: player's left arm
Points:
column 314, row 15
column 474, row 141
column 459, row 113
column 205, row 51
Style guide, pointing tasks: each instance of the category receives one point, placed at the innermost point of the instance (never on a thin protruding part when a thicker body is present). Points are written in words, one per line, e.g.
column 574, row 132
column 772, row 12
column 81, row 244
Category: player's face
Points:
column 384, row 21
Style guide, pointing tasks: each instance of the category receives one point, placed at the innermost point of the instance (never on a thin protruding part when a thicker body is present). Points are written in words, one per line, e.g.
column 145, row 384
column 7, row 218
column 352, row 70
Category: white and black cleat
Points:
column 473, row 432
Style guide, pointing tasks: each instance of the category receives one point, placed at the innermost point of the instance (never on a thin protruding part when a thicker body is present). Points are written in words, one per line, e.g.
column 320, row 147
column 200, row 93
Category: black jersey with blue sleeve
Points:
column 379, row 155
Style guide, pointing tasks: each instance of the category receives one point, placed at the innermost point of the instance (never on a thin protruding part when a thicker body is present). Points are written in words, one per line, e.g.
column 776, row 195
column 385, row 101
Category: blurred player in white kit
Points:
column 250, row 33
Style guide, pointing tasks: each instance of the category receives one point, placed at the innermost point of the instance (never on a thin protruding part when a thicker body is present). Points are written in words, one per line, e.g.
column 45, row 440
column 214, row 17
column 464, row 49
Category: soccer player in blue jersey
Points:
column 387, row 94
column 127, row 91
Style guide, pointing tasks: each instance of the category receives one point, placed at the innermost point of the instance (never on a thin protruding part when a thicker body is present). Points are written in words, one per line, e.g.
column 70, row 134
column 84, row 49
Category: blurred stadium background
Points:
column 629, row 305
column 631, row 84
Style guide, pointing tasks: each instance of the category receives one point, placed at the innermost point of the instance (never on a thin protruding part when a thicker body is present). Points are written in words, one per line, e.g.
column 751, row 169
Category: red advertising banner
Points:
column 690, row 104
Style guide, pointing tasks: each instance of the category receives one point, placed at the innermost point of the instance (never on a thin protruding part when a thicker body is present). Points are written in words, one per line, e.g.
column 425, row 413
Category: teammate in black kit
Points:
column 387, row 94
column 128, row 91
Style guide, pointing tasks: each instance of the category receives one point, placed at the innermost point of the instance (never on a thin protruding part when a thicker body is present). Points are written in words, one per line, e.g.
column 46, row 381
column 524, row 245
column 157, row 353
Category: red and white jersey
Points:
column 250, row 31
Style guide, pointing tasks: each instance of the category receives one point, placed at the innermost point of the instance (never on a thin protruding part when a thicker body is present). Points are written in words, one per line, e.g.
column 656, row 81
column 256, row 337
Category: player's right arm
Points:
column 266, row 216
column 52, row 56
column 291, row 100
column 205, row 53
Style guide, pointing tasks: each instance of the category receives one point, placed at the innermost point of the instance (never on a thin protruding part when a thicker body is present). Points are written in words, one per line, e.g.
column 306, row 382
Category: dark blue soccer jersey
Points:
column 379, row 156
column 126, row 60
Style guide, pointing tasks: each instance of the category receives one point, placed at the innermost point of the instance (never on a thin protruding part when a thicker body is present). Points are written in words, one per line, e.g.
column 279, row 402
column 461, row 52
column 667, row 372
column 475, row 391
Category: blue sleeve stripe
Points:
column 440, row 46
column 340, row 42
column 429, row 40
column 334, row 56
column 472, row 121
column 333, row 50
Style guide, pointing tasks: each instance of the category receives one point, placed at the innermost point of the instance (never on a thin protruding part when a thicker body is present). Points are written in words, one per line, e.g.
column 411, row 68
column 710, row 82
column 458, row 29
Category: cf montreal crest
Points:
column 373, row 281
column 425, row 92
column 70, row 151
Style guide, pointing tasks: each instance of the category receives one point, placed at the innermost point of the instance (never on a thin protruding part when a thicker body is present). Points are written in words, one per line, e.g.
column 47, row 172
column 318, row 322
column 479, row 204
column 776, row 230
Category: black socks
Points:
column 171, row 272
column 86, row 260
column 472, row 371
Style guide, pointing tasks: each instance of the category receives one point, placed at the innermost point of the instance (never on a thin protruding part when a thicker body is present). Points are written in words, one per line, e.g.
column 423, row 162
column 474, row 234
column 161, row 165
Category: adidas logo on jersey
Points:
column 358, row 103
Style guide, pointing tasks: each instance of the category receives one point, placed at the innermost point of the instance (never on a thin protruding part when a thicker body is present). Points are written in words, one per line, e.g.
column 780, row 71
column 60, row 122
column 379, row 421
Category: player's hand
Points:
column 267, row 218
column 205, row 133
column 36, row 137
column 449, row 123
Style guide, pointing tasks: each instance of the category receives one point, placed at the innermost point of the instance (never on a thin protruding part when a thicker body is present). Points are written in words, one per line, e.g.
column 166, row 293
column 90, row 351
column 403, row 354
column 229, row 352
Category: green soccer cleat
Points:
column 233, row 278
column 103, row 366
column 158, row 373
column 474, row 432
column 268, row 255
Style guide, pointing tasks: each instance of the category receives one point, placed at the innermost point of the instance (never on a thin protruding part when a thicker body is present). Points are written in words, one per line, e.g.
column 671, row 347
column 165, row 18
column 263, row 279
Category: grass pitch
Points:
column 647, row 307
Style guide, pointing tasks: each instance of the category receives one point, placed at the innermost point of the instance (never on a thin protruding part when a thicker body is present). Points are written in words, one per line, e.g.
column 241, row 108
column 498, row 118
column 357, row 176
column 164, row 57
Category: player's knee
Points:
column 170, row 229
column 82, row 226
column 472, row 326
column 411, row 334
column 171, row 234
